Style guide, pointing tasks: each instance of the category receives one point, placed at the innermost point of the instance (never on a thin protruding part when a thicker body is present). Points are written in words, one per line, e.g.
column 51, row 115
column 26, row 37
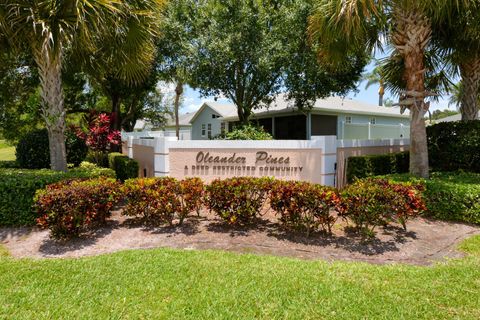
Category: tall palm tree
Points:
column 123, row 60
column 343, row 28
column 376, row 77
column 48, row 28
column 461, row 40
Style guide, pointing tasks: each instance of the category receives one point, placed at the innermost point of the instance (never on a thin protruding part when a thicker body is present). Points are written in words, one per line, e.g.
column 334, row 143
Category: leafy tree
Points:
column 249, row 51
column 47, row 29
column 351, row 27
column 439, row 114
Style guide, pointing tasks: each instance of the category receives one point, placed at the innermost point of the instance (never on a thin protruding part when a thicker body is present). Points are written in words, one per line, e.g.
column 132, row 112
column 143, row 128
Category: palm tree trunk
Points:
column 470, row 72
column 410, row 37
column 178, row 94
column 50, row 72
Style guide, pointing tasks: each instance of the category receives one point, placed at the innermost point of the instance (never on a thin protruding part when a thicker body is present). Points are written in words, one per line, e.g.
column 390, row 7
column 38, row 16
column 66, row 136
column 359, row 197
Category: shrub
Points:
column 69, row 207
column 454, row 146
column 32, row 150
column 451, row 196
column 155, row 200
column 372, row 202
column 162, row 200
column 99, row 158
column 304, row 206
column 237, row 200
column 124, row 167
column 247, row 132
column 374, row 165
column 192, row 192
column 18, row 187
column 9, row 165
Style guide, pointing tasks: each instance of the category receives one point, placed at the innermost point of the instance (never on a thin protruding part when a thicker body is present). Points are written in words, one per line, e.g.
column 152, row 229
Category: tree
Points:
column 376, row 77
column 359, row 26
column 178, row 36
column 460, row 38
column 47, row 29
column 249, row 51
column 122, row 66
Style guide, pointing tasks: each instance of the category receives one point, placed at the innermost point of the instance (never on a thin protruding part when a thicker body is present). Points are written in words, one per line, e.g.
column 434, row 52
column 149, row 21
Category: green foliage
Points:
column 454, row 146
column 374, row 165
column 304, row 206
column 70, row 207
column 160, row 201
column 8, row 165
column 124, row 167
column 249, row 51
column 100, row 158
column 439, row 114
column 373, row 202
column 18, row 187
column 237, row 200
column 451, row 196
column 33, row 150
column 247, row 132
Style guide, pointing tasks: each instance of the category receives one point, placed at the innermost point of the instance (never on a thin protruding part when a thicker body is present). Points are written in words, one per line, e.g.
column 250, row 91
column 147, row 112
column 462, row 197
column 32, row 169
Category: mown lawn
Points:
column 7, row 152
column 175, row 284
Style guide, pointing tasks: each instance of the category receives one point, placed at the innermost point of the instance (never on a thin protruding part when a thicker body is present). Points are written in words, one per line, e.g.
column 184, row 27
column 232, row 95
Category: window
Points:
column 209, row 131
column 214, row 116
column 348, row 119
column 373, row 121
column 222, row 127
column 203, row 129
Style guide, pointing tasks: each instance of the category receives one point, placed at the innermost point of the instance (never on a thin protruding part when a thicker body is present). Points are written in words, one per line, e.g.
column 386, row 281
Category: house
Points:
column 341, row 117
column 454, row 118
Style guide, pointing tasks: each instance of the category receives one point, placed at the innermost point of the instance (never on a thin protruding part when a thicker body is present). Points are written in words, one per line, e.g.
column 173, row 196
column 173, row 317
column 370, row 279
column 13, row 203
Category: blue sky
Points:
column 192, row 99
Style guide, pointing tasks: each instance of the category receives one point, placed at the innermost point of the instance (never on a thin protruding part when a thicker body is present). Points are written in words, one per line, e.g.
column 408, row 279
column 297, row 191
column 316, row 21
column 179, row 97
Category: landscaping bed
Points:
column 424, row 242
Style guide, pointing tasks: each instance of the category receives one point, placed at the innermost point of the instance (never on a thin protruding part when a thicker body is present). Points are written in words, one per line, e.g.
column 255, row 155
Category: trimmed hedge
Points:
column 32, row 151
column 451, row 196
column 9, row 165
column 375, row 165
column 238, row 201
column 454, row 146
column 68, row 208
column 162, row 200
column 124, row 167
column 18, row 187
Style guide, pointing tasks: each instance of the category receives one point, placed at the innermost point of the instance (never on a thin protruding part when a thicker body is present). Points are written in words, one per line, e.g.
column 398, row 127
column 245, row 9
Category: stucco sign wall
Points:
column 208, row 164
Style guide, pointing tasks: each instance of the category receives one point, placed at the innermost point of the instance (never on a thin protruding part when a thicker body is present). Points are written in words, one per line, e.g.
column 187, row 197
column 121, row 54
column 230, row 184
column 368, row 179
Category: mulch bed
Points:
column 425, row 241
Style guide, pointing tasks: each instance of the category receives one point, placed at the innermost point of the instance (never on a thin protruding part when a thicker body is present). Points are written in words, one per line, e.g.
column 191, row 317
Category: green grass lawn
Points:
column 179, row 284
column 7, row 152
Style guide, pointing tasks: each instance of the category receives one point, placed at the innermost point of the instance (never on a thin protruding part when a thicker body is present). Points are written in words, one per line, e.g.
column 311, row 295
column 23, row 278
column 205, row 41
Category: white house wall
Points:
column 205, row 117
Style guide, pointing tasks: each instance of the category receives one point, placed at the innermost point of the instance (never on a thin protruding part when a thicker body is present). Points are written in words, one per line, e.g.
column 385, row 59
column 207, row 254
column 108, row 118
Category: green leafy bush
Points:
column 18, row 187
column 373, row 202
column 237, row 200
column 304, row 206
column 32, row 150
column 8, row 165
column 454, row 146
column 99, row 158
column 162, row 200
column 69, row 207
column 125, row 168
column 374, row 165
column 247, row 132
column 453, row 196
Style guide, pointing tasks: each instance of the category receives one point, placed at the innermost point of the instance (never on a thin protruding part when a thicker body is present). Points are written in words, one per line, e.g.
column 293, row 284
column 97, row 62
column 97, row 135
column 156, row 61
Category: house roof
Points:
column 224, row 110
column 330, row 104
column 455, row 117
column 183, row 119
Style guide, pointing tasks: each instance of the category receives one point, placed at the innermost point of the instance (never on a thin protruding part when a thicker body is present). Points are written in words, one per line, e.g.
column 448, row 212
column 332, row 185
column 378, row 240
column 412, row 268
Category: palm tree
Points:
column 461, row 40
column 49, row 28
column 123, row 59
column 376, row 77
column 349, row 27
